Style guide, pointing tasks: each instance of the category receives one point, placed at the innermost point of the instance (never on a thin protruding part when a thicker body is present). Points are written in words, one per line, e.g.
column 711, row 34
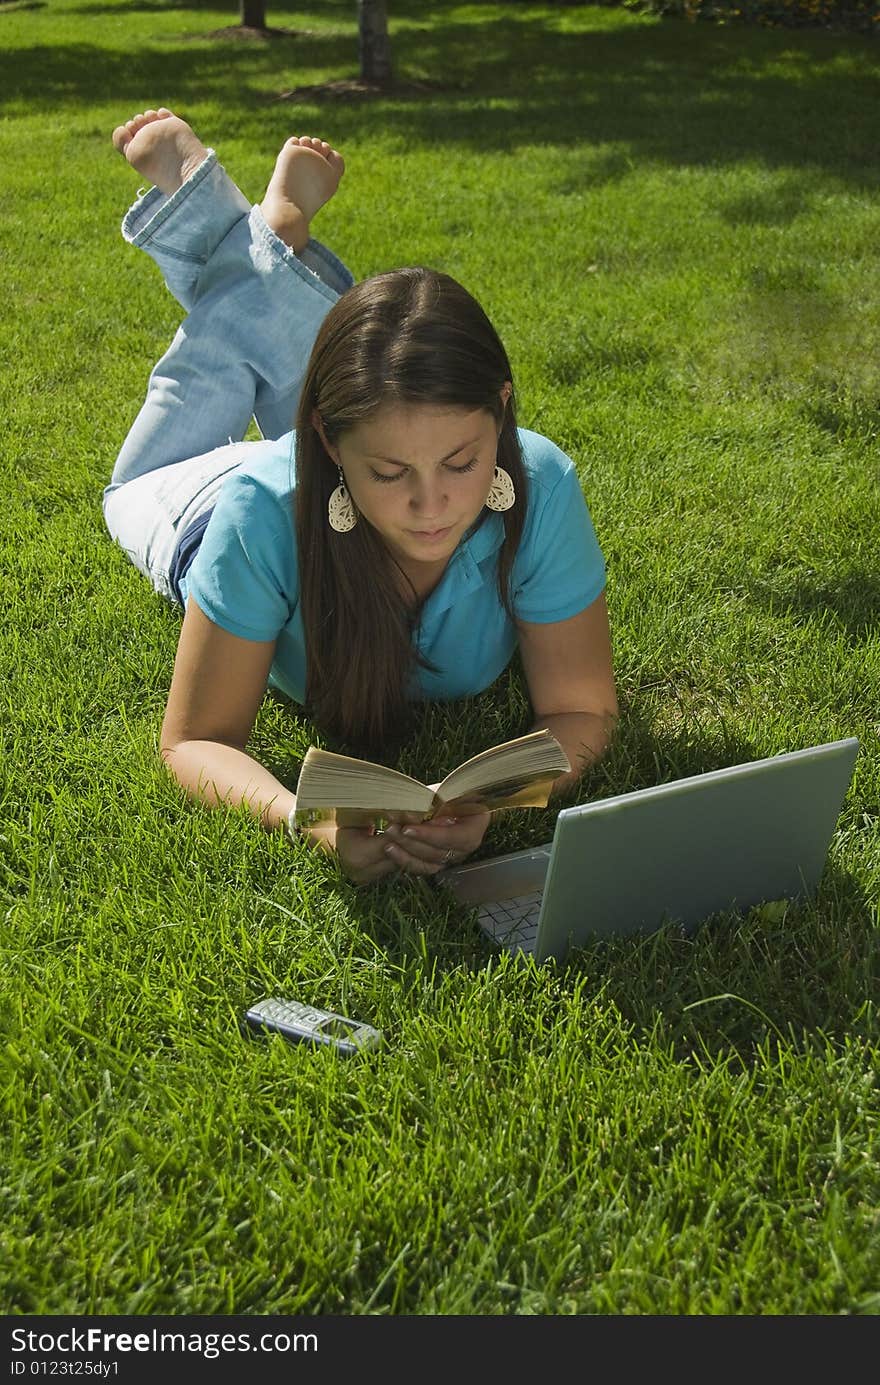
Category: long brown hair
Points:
column 411, row 336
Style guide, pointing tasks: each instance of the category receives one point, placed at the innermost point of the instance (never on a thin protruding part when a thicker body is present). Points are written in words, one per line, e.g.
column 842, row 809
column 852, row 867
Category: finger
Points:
column 407, row 840
column 413, row 865
column 363, row 854
column 400, row 817
column 367, row 875
column 465, row 836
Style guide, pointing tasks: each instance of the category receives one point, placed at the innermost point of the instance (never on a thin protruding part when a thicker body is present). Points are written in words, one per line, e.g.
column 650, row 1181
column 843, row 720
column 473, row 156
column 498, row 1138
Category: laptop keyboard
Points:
column 512, row 922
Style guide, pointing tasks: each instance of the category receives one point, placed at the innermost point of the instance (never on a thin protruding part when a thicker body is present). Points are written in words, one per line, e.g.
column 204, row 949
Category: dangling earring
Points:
column 501, row 493
column 340, row 509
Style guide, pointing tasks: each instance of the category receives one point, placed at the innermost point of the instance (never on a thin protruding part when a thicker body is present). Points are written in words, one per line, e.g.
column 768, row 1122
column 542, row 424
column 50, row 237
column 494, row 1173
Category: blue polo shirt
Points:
column 245, row 578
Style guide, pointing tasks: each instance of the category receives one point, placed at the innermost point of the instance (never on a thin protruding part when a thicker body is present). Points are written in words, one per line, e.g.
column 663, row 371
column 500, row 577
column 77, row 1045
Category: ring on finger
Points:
column 448, row 857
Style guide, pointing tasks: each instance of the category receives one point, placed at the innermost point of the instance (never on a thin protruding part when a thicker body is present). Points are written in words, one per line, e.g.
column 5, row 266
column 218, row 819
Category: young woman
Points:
column 398, row 544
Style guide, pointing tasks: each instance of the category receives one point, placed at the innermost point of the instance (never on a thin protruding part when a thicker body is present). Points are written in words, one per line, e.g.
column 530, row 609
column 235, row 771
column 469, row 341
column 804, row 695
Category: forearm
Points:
column 584, row 736
column 216, row 774
column 221, row 774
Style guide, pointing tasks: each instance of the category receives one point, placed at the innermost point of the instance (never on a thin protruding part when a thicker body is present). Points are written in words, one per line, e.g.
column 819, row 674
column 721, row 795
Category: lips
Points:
column 432, row 533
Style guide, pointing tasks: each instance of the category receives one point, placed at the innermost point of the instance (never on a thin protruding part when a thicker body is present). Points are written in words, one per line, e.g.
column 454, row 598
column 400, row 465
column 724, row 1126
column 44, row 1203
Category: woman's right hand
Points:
column 367, row 855
column 362, row 854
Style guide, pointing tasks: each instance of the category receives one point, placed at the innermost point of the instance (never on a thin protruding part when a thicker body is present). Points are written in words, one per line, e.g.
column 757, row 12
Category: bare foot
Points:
column 307, row 173
column 161, row 146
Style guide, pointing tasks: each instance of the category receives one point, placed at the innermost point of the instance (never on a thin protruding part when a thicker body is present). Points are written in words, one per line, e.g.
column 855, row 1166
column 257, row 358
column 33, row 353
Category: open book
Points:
column 357, row 793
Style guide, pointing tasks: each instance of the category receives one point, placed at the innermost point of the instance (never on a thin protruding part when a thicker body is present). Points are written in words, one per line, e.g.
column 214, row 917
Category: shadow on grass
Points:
column 777, row 206
column 852, row 602
column 779, row 974
column 147, row 7
column 679, row 94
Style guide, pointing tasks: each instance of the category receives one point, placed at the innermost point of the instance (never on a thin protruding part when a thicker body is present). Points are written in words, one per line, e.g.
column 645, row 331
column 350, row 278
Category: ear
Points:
column 318, row 425
column 504, row 395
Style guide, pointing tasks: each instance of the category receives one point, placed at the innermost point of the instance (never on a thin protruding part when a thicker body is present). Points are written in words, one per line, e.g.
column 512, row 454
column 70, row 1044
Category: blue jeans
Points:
column 253, row 311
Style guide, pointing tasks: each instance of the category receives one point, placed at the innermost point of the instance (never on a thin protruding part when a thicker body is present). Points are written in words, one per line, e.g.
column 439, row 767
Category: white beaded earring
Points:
column 340, row 509
column 501, row 493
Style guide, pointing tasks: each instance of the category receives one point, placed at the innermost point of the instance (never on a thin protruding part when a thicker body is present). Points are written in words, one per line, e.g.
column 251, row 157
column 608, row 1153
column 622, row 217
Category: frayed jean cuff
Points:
column 153, row 208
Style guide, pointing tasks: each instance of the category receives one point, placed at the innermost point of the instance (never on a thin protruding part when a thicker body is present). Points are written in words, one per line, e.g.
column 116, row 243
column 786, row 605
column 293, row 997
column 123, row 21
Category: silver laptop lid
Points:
column 728, row 839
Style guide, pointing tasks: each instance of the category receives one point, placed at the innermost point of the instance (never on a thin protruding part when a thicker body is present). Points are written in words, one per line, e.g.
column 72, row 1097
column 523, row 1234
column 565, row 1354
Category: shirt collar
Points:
column 467, row 568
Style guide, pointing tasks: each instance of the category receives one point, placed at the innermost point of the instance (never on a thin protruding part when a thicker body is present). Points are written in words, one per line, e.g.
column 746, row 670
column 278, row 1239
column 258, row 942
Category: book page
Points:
column 517, row 773
column 352, row 792
column 528, row 792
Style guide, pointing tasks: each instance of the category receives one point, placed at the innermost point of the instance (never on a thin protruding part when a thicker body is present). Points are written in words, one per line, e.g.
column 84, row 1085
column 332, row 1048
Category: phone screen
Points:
column 338, row 1028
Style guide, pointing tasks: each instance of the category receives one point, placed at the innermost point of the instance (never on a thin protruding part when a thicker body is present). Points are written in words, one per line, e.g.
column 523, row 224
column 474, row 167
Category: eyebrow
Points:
column 392, row 461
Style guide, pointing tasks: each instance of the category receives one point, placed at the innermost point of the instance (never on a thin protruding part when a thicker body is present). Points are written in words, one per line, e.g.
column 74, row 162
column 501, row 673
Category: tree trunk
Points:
column 252, row 13
column 374, row 45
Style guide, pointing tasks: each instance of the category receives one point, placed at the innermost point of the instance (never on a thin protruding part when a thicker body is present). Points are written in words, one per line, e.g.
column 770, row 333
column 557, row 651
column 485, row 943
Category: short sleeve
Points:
column 244, row 576
column 560, row 569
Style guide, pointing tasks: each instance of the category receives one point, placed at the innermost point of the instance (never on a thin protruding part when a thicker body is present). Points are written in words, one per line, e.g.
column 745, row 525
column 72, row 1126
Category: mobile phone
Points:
column 304, row 1024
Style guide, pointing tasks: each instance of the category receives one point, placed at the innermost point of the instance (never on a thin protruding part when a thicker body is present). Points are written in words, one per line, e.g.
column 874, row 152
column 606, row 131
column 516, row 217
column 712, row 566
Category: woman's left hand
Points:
column 424, row 848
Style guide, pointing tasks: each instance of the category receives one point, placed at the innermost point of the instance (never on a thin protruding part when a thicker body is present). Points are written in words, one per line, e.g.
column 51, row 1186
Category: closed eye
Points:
column 457, row 470
column 380, row 476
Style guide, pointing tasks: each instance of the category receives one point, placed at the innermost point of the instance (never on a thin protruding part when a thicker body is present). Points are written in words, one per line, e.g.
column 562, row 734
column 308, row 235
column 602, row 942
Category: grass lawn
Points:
column 675, row 228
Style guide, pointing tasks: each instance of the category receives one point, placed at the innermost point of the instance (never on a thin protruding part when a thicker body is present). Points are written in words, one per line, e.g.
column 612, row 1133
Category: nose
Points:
column 427, row 497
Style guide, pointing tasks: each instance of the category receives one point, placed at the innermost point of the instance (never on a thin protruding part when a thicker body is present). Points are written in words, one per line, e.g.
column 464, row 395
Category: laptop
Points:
column 674, row 853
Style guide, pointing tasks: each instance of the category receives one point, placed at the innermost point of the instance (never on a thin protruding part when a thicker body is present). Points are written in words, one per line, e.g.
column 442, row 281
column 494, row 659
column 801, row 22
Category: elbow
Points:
column 610, row 707
column 606, row 717
column 171, row 745
column 169, row 741
column 608, row 720
column 168, row 748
